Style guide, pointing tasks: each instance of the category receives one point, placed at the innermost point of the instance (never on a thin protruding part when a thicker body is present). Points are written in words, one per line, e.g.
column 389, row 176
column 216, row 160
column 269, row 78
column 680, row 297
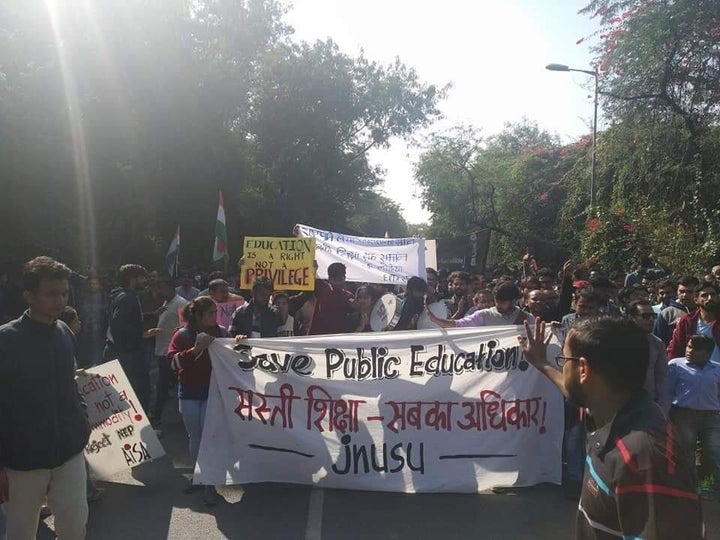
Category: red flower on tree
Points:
column 593, row 224
column 628, row 228
column 544, row 197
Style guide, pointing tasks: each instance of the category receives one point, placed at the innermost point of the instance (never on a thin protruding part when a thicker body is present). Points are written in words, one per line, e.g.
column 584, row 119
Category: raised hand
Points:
column 534, row 346
column 203, row 341
column 535, row 343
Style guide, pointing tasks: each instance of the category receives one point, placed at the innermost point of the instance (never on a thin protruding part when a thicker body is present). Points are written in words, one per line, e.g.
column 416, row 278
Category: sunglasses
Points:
column 561, row 360
column 647, row 315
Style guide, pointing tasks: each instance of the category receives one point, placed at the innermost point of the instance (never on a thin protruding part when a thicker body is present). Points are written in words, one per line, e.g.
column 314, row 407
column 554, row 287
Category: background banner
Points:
column 121, row 436
column 420, row 411
column 368, row 260
column 468, row 252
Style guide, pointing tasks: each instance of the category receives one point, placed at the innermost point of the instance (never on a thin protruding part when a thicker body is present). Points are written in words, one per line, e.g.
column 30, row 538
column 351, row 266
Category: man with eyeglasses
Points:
column 643, row 314
column 634, row 484
column 586, row 307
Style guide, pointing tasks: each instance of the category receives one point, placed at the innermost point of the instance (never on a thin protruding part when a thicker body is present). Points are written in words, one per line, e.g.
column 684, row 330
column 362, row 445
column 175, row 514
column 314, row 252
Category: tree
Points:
column 660, row 69
column 375, row 215
column 449, row 184
column 660, row 58
column 315, row 115
column 511, row 182
column 117, row 127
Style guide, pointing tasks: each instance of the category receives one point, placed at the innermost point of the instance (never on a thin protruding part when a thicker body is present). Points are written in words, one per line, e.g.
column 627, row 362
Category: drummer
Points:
column 414, row 303
column 504, row 313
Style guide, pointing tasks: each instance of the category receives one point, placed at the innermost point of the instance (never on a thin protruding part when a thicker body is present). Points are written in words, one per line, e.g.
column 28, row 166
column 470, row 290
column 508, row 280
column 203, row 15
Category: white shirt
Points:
column 168, row 321
column 288, row 328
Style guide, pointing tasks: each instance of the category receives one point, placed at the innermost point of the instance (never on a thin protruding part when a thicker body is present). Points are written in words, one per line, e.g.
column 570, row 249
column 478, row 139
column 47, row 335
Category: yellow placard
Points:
column 288, row 262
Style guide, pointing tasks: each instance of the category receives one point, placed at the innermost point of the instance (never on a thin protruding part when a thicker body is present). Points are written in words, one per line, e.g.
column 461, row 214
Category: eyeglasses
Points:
column 560, row 360
column 647, row 315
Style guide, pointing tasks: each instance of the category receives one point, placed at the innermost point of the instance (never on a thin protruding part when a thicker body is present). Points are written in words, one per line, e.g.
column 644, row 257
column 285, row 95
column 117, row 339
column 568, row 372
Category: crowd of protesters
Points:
column 152, row 323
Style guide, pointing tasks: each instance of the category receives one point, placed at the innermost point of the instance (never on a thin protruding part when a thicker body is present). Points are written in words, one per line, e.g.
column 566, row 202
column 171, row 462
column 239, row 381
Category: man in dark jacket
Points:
column 43, row 426
column 125, row 334
column 704, row 321
column 257, row 318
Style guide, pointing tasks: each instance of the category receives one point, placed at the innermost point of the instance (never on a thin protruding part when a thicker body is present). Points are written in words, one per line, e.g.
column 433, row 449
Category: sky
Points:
column 493, row 53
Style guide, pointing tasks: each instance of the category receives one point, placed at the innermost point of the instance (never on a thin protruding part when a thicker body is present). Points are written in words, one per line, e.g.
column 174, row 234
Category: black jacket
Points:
column 42, row 417
column 125, row 321
column 242, row 321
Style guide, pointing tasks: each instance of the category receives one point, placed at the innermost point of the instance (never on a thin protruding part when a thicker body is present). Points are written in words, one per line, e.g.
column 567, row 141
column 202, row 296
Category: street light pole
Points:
column 593, row 161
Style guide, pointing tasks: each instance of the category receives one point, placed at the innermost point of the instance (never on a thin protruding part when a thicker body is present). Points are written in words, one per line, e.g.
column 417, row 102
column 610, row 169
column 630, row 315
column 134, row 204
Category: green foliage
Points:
column 658, row 161
column 610, row 240
column 512, row 182
column 375, row 215
column 116, row 127
column 660, row 58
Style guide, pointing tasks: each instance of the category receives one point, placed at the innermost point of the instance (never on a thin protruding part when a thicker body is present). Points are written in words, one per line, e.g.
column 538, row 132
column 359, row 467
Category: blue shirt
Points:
column 693, row 386
column 705, row 329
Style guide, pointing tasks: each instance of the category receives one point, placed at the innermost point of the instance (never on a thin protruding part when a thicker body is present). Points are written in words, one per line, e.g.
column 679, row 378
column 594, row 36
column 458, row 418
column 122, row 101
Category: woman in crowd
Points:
column 359, row 321
column 191, row 361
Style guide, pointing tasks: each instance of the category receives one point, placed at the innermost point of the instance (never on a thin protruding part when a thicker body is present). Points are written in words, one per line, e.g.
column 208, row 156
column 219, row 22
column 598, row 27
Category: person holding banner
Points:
column 191, row 362
column 636, row 483
column 504, row 313
column 333, row 303
column 43, row 424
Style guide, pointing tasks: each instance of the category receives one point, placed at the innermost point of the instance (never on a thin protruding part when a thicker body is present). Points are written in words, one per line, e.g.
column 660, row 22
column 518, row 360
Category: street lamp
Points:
column 594, row 73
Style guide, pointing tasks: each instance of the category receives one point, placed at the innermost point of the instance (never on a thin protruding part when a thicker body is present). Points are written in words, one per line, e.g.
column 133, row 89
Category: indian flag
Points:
column 172, row 259
column 220, row 248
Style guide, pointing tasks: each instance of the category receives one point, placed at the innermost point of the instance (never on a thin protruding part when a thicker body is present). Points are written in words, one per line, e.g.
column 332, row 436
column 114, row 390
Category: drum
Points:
column 439, row 309
column 385, row 313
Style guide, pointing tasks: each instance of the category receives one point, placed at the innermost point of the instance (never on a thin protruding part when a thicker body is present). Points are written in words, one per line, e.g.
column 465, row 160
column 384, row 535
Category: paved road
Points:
column 148, row 504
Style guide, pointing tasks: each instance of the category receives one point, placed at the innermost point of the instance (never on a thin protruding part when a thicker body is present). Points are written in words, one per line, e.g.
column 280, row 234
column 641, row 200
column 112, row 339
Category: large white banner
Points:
column 419, row 411
column 121, row 436
column 369, row 260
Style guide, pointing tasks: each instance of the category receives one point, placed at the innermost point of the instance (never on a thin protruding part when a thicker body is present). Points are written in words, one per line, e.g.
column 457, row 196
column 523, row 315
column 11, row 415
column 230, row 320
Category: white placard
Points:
column 368, row 260
column 121, row 436
column 419, row 411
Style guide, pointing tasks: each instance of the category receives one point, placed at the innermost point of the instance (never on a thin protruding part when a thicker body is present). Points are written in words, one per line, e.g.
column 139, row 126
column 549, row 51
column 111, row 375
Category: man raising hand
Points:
column 634, row 484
